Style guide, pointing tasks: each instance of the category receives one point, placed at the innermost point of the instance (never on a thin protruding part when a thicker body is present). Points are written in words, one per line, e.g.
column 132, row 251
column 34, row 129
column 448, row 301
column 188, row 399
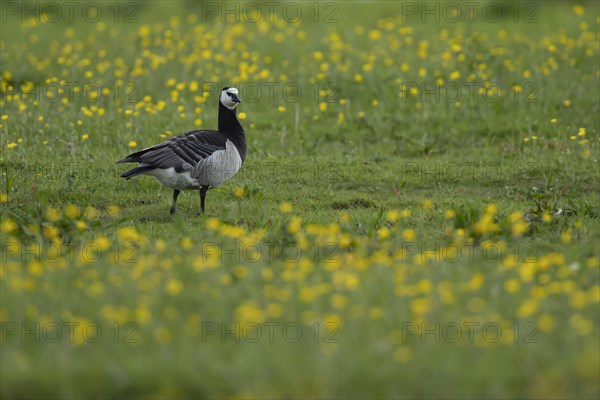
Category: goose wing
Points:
column 182, row 152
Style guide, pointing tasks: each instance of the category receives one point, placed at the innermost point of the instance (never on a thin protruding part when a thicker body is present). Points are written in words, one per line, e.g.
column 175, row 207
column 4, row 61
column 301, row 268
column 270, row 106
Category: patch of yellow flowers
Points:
column 322, row 272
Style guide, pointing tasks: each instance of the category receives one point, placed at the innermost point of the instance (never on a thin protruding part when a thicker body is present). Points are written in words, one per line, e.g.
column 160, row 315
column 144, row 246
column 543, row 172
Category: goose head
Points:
column 229, row 97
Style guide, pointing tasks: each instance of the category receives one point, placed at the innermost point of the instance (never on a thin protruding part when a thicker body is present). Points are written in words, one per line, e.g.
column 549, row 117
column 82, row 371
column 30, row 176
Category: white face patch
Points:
column 228, row 97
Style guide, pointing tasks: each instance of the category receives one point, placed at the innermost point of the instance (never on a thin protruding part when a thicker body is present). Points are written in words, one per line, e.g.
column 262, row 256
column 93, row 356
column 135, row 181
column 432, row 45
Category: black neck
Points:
column 231, row 128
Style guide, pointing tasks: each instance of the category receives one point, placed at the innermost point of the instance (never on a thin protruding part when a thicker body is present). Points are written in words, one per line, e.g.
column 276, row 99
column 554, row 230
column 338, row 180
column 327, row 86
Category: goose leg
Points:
column 203, row 190
column 174, row 205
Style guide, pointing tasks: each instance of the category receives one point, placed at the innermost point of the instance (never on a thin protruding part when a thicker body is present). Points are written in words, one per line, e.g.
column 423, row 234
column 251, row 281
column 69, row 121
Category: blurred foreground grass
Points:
column 417, row 217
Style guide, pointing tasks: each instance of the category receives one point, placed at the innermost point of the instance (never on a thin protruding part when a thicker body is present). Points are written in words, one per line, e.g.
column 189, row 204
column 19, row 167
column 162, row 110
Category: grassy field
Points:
column 417, row 217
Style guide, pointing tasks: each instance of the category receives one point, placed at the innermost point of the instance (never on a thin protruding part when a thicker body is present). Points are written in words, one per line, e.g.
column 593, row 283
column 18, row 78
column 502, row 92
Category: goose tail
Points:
column 136, row 171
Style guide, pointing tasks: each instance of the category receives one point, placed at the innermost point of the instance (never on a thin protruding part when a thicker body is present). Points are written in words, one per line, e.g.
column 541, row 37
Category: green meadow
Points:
column 417, row 215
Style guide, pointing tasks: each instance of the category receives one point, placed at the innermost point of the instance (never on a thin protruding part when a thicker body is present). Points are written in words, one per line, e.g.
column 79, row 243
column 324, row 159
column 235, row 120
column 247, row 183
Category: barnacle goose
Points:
column 201, row 159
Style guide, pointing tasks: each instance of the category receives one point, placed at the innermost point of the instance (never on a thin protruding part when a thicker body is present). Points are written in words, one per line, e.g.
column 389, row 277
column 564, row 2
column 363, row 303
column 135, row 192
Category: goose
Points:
column 196, row 160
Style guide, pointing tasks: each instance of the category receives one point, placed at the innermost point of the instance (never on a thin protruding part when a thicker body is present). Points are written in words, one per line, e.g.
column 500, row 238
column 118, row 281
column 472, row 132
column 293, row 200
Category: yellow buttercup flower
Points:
column 286, row 207
column 383, row 233
column 392, row 216
column 174, row 287
column 239, row 192
column 409, row 235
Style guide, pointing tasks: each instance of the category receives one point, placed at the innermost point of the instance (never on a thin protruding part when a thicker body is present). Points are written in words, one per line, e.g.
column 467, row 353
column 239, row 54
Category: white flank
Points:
column 175, row 180
column 219, row 167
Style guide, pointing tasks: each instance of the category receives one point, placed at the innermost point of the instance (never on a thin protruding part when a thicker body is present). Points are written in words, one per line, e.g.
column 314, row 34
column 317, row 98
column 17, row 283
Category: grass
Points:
column 422, row 246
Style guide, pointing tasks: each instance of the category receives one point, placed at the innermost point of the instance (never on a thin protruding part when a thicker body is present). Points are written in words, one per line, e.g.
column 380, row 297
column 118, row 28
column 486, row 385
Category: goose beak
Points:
column 235, row 98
